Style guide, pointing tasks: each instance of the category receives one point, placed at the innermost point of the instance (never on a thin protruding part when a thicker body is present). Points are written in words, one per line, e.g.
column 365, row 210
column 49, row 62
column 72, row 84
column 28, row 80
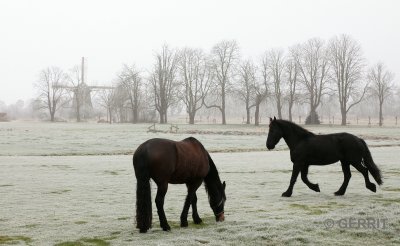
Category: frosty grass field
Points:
column 73, row 184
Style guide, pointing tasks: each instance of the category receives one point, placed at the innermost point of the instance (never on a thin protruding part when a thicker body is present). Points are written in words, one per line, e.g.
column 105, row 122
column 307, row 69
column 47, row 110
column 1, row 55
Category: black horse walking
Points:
column 184, row 162
column 307, row 149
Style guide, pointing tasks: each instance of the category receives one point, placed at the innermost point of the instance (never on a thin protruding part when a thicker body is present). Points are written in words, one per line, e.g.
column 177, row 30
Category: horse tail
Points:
column 143, row 192
column 370, row 164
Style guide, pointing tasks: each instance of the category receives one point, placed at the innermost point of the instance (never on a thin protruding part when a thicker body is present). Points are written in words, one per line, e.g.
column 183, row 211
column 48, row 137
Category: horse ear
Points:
column 270, row 119
column 274, row 118
column 223, row 185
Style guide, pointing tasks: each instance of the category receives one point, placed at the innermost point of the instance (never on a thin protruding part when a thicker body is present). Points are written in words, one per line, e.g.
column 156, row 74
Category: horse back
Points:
column 192, row 160
column 174, row 162
column 328, row 149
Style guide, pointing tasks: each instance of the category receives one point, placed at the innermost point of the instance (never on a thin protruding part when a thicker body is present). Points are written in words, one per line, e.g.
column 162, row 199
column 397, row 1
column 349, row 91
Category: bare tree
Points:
column 224, row 55
column 246, row 86
column 275, row 64
column 261, row 88
column 163, row 81
column 131, row 81
column 195, row 76
column 121, row 103
column 381, row 81
column 347, row 64
column 261, row 92
column 51, row 96
column 312, row 60
column 106, row 100
column 292, row 76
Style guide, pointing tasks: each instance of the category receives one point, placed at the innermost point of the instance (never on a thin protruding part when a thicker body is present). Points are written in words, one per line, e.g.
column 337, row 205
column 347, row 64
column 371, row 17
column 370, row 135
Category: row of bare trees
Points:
column 50, row 96
column 303, row 74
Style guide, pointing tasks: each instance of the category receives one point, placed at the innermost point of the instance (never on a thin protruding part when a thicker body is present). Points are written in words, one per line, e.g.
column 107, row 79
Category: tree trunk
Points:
column 223, row 109
column 162, row 118
column 279, row 107
column 109, row 113
column 380, row 114
column 344, row 117
column 257, row 115
column 78, row 112
column 313, row 115
column 191, row 118
column 135, row 115
column 247, row 115
column 223, row 117
column 290, row 112
column 165, row 117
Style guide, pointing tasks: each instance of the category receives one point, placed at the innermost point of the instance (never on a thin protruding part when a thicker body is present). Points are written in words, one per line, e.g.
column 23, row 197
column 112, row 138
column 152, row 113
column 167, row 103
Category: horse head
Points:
column 274, row 134
column 219, row 207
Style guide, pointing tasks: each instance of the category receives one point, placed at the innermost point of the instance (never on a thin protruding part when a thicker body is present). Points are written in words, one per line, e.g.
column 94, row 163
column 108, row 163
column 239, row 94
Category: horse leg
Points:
column 295, row 173
column 196, row 218
column 304, row 173
column 371, row 186
column 347, row 176
column 185, row 210
column 192, row 187
column 161, row 191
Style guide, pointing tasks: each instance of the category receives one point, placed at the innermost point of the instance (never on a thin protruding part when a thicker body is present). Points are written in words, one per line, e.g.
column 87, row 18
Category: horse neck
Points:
column 293, row 134
column 212, row 182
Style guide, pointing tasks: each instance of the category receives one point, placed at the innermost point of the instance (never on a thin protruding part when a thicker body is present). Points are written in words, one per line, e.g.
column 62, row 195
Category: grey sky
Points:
column 37, row 34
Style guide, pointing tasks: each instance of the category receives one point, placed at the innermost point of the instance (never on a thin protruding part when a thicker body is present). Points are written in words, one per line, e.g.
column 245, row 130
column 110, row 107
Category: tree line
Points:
column 303, row 73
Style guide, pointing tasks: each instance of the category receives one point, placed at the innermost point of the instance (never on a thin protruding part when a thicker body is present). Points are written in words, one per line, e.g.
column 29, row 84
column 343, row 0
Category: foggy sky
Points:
column 38, row 34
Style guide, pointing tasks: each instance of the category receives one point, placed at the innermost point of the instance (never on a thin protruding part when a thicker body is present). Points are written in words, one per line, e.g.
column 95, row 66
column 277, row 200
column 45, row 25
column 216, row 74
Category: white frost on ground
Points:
column 47, row 200
column 37, row 138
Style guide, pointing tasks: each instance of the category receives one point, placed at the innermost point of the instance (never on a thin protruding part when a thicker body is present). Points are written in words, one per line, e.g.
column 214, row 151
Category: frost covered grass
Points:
column 50, row 139
column 53, row 193
column 90, row 200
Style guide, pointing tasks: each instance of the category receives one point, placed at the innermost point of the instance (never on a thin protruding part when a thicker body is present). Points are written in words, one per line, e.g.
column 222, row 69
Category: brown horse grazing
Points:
column 184, row 162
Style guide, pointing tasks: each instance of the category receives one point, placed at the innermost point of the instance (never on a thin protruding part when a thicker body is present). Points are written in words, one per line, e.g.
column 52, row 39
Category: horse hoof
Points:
column 372, row 187
column 287, row 194
column 184, row 224
column 143, row 230
column 197, row 221
column 338, row 193
column 166, row 228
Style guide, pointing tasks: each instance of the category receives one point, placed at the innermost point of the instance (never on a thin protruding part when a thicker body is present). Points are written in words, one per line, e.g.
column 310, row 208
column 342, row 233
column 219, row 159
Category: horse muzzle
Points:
column 270, row 146
column 220, row 217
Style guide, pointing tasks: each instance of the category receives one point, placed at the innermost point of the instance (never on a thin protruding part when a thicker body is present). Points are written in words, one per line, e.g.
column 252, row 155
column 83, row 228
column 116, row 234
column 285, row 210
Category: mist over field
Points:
column 331, row 62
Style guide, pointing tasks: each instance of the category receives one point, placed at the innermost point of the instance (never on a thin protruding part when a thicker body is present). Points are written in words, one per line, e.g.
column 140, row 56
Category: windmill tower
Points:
column 82, row 100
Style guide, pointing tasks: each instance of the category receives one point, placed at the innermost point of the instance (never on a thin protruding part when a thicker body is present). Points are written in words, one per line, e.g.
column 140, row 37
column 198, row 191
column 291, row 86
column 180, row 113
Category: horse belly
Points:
column 323, row 157
column 187, row 172
column 321, row 161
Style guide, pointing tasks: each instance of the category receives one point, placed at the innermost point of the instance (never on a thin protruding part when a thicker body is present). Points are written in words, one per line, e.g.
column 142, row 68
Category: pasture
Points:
column 74, row 184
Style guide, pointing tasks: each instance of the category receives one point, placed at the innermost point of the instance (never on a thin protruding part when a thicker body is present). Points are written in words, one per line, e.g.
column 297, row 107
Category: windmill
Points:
column 82, row 100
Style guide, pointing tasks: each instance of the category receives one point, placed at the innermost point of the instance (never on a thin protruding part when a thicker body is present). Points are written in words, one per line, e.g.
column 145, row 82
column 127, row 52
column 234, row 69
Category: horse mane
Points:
column 211, row 182
column 296, row 129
